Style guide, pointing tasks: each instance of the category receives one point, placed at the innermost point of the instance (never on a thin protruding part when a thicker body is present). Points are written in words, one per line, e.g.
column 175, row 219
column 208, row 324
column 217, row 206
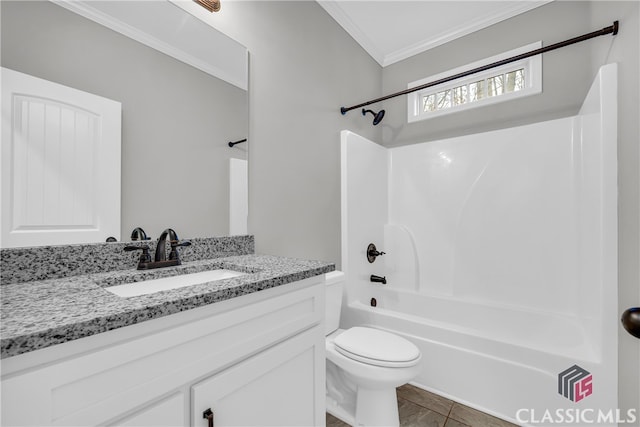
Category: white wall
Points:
column 303, row 67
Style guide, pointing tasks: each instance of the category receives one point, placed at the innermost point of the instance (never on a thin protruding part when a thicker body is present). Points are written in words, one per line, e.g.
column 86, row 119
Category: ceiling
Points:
column 393, row 30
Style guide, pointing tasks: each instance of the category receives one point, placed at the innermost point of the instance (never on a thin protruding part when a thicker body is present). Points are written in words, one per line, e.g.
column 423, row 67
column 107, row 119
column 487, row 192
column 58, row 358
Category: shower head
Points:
column 377, row 117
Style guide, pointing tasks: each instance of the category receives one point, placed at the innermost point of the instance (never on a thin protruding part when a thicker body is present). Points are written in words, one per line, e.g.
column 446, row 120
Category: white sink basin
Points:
column 173, row 282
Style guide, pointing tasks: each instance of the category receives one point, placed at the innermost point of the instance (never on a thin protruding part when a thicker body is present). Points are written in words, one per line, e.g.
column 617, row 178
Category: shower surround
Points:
column 501, row 258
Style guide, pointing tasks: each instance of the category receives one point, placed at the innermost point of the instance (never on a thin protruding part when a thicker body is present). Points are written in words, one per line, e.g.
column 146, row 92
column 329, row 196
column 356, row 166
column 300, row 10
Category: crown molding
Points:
column 338, row 14
column 462, row 30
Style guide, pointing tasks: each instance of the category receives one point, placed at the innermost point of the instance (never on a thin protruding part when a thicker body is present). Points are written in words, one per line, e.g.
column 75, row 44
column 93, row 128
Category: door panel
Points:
column 60, row 164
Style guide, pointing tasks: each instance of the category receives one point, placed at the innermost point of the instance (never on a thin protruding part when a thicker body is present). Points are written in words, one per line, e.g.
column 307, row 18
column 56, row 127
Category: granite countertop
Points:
column 43, row 313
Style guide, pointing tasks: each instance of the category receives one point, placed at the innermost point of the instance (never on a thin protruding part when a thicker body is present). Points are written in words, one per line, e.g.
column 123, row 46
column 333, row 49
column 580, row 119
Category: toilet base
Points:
column 377, row 408
column 373, row 408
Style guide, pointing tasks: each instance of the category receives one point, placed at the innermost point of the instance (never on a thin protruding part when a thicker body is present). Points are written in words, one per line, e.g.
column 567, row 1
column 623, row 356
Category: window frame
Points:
column 533, row 83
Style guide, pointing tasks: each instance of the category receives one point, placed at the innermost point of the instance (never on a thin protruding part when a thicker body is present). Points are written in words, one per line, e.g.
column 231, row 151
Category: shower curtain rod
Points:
column 613, row 30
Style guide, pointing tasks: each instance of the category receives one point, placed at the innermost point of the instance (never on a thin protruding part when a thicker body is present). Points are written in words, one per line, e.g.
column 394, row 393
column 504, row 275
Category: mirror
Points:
column 177, row 118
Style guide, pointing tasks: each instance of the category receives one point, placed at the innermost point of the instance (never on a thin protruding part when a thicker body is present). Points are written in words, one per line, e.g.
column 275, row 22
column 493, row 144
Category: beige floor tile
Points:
column 425, row 399
column 412, row 415
column 475, row 418
column 335, row 422
column 453, row 423
column 420, row 408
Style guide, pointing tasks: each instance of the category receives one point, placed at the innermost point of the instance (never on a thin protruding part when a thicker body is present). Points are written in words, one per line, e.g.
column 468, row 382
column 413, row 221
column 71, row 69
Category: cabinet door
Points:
column 281, row 386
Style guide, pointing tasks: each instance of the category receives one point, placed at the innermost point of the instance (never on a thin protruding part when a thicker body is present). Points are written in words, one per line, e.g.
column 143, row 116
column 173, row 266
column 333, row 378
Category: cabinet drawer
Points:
column 277, row 387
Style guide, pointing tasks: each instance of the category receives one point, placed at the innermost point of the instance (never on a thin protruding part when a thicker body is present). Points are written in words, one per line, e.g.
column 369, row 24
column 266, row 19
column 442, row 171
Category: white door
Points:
column 60, row 157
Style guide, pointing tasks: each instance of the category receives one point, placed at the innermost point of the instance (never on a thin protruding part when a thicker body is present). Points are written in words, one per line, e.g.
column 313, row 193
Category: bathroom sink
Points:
column 173, row 282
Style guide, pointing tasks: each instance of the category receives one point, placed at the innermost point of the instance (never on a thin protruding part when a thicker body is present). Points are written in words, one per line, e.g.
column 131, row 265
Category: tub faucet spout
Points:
column 378, row 279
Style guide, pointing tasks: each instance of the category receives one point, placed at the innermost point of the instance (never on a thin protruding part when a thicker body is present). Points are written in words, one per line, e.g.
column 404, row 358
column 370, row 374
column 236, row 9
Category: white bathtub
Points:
column 513, row 333
column 496, row 359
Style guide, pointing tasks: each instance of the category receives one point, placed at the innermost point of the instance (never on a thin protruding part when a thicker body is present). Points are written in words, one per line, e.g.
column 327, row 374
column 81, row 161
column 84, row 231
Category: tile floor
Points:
column 420, row 408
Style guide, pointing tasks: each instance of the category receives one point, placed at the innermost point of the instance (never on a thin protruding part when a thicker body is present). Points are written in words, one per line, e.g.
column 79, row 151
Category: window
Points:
column 510, row 81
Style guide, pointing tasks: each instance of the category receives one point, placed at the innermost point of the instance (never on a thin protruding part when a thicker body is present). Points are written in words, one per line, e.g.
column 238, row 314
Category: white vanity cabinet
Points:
column 257, row 360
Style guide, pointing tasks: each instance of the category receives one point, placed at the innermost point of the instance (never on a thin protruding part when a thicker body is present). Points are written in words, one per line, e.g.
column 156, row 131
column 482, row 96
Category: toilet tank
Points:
column 334, row 282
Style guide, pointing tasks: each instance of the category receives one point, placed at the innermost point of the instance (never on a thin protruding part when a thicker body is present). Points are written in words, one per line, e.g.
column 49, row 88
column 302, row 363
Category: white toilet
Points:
column 364, row 366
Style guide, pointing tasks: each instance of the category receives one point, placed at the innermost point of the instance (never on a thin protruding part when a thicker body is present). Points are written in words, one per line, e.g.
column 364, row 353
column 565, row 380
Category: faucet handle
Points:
column 175, row 244
column 372, row 252
column 144, row 256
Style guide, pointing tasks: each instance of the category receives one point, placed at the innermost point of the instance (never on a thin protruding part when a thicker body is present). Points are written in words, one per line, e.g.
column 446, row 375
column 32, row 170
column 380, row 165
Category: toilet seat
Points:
column 376, row 347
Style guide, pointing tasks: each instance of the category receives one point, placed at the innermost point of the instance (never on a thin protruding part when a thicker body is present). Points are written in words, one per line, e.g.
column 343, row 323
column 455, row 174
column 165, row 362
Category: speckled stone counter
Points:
column 43, row 313
column 51, row 262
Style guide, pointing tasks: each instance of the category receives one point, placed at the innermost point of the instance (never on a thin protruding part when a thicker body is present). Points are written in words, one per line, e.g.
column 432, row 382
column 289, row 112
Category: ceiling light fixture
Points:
column 210, row 5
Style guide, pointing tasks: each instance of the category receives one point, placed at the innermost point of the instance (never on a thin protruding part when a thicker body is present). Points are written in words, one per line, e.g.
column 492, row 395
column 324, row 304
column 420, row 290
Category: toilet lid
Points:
column 376, row 347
